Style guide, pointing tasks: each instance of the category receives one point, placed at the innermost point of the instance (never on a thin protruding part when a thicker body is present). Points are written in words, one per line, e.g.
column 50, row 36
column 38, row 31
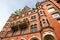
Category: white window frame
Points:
column 51, row 9
column 55, row 15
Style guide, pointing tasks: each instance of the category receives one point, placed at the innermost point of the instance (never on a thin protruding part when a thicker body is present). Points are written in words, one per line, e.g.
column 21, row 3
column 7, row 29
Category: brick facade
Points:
column 40, row 23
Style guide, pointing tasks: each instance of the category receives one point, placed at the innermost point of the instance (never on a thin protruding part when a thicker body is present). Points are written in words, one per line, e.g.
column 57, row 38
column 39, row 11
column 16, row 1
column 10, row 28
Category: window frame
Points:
column 49, row 37
column 44, row 22
column 33, row 18
column 23, row 31
column 15, row 33
column 54, row 15
column 51, row 9
column 40, row 13
column 7, row 35
column 26, row 19
column 33, row 28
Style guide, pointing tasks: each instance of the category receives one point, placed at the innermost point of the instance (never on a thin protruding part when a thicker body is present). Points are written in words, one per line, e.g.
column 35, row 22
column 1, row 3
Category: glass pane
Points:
column 14, row 33
column 23, row 31
column 33, row 17
column 55, row 15
column 34, row 28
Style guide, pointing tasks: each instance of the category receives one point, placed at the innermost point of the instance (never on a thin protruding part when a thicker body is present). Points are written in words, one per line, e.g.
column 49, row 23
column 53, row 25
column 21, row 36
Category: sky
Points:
column 7, row 7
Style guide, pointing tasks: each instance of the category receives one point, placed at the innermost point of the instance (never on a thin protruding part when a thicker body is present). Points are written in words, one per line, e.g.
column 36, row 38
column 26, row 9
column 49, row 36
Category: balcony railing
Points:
column 23, row 24
column 19, row 25
column 14, row 28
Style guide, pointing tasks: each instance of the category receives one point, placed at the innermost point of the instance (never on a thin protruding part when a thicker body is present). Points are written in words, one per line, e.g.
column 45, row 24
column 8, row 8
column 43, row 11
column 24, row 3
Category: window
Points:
column 44, row 22
column 33, row 18
column 7, row 35
column 58, row 20
column 26, row 14
column 25, row 20
column 23, row 31
column 58, row 1
column 34, row 28
column 49, row 37
column 1, row 34
column 33, row 12
column 22, row 39
column 14, row 34
column 51, row 9
column 34, row 38
column 41, row 14
column 55, row 15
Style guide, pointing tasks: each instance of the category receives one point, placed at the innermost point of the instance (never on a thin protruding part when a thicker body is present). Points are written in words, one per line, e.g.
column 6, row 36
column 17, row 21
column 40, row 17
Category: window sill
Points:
column 33, row 20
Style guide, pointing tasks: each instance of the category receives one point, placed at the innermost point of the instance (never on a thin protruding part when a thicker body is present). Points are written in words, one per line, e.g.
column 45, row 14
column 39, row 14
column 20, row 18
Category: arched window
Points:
column 44, row 22
column 34, row 38
column 49, row 37
column 41, row 13
column 22, row 39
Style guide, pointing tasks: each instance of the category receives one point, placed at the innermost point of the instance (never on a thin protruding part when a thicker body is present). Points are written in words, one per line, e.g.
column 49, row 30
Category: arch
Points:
column 22, row 39
column 34, row 38
column 49, row 37
column 48, row 32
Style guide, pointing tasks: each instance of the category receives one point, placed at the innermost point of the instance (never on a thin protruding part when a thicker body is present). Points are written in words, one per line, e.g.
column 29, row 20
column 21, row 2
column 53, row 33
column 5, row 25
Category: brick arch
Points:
column 48, row 32
column 49, row 37
column 34, row 37
column 23, row 39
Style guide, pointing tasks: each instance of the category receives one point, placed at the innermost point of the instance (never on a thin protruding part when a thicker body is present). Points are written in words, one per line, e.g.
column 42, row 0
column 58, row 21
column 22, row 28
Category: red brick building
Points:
column 40, row 23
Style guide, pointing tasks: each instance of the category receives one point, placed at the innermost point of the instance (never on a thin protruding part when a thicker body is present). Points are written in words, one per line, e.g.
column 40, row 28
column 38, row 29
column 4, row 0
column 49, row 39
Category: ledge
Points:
column 46, row 28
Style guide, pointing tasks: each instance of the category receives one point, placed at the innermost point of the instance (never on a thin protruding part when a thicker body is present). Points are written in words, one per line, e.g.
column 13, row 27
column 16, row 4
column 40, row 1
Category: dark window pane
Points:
column 49, row 37
column 34, row 28
column 14, row 33
column 44, row 22
column 23, row 31
column 41, row 14
column 33, row 17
